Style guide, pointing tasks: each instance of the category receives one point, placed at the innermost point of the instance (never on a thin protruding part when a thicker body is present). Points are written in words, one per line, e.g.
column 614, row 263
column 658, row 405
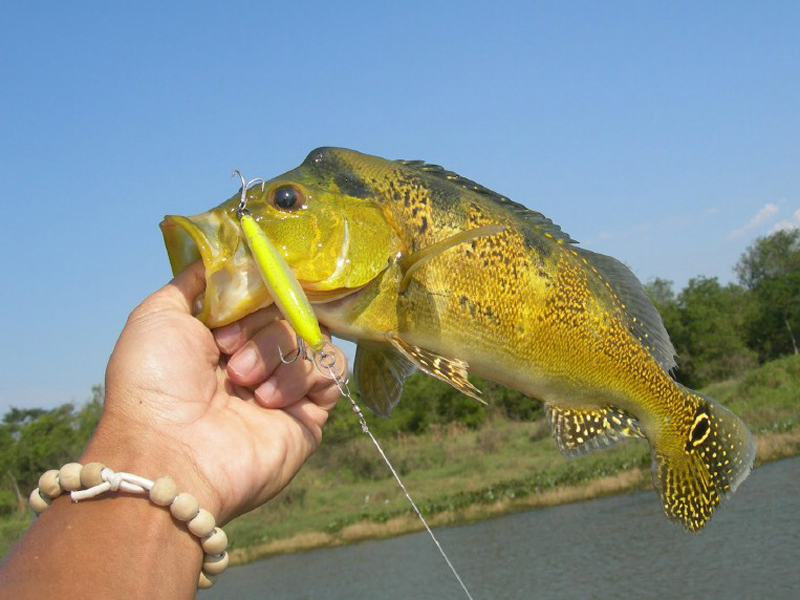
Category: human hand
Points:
column 224, row 417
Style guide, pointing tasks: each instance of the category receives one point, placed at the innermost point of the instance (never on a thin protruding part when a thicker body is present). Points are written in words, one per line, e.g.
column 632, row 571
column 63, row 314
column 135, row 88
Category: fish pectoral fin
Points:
column 578, row 431
column 449, row 370
column 413, row 262
column 380, row 372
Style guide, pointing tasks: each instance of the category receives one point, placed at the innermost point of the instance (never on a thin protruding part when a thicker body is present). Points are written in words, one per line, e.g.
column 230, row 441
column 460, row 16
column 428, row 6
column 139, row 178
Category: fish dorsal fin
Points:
column 578, row 431
column 449, row 370
column 536, row 219
column 379, row 373
column 643, row 319
column 411, row 263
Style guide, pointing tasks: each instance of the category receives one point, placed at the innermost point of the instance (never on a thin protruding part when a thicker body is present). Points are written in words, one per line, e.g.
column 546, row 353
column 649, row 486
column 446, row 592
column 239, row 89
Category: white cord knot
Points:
column 114, row 480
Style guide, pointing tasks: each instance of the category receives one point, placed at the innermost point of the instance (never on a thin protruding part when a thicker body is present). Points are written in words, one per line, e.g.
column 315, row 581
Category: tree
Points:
column 663, row 297
column 33, row 440
column 770, row 267
column 707, row 323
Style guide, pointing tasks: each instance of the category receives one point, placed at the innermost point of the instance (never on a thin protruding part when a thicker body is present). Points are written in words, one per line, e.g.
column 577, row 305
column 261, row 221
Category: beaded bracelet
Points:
column 88, row 481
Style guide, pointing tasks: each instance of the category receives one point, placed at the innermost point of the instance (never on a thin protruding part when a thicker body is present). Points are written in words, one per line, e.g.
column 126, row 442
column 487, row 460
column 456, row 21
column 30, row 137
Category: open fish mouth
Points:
column 234, row 287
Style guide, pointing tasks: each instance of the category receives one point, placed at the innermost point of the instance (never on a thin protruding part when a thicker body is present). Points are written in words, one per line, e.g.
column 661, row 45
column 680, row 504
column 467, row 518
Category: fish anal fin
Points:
column 449, row 370
column 578, row 431
column 379, row 372
column 411, row 263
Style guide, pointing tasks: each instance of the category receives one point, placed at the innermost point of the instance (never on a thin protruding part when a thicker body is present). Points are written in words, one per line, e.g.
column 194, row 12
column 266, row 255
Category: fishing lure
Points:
column 281, row 282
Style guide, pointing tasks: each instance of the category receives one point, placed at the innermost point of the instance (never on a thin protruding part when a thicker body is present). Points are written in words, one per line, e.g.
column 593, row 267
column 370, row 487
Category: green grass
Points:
column 766, row 398
column 345, row 492
column 445, row 471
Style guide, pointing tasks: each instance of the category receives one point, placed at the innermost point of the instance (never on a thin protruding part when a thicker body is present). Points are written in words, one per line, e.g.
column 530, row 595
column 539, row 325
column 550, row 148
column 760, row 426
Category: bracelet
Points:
column 88, row 481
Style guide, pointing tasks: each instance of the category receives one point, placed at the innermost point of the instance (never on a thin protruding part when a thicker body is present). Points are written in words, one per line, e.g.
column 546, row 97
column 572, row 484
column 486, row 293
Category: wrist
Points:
column 126, row 447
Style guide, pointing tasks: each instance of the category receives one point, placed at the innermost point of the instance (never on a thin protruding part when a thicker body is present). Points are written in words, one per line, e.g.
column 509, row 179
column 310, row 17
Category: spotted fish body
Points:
column 459, row 279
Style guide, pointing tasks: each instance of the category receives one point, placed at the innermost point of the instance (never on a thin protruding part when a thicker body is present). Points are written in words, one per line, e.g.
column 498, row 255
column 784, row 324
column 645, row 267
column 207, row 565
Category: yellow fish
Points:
column 425, row 269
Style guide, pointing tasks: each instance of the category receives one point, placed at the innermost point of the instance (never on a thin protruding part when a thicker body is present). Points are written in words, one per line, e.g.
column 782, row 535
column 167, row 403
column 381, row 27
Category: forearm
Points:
column 118, row 545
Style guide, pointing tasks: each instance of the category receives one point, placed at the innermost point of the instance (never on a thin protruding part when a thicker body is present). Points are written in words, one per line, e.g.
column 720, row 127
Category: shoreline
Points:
column 769, row 447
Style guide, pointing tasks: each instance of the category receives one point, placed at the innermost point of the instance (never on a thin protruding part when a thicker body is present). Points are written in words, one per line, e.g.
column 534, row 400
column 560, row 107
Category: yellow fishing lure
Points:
column 283, row 286
column 279, row 279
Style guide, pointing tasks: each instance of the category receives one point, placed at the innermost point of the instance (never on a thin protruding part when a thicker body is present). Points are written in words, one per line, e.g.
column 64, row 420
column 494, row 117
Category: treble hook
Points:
column 295, row 354
column 242, row 208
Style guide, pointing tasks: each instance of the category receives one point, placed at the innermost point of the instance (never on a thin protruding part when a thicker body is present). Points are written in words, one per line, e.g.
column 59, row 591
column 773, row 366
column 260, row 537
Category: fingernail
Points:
column 244, row 361
column 265, row 392
column 228, row 335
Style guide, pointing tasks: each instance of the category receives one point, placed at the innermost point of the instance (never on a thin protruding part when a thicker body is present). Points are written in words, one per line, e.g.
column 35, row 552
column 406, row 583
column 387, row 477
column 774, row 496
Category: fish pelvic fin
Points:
column 379, row 373
column 713, row 455
column 578, row 431
column 449, row 370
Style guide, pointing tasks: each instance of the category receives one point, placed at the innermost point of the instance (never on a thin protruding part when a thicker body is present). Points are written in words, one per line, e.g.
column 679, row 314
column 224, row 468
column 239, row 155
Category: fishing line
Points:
column 327, row 361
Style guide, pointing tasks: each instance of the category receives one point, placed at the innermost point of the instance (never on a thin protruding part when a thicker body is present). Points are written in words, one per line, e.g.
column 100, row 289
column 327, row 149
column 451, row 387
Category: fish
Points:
column 427, row 270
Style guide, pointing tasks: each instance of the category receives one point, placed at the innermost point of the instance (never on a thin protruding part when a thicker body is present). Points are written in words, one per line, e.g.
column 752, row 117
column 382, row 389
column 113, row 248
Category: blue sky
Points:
column 665, row 134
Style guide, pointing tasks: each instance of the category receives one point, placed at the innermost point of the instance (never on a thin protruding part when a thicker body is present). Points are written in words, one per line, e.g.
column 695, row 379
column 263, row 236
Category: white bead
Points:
column 215, row 564
column 38, row 502
column 204, row 581
column 90, row 475
column 48, row 484
column 203, row 524
column 185, row 507
column 163, row 491
column 216, row 543
column 69, row 477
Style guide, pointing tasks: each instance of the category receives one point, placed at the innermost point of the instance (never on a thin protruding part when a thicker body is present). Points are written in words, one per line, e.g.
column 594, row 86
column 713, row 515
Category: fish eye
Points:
column 287, row 197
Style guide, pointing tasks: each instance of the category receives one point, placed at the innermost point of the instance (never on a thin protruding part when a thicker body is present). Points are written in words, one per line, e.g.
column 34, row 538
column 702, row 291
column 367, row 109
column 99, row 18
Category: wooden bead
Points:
column 185, row 507
column 215, row 564
column 90, row 475
column 216, row 543
column 69, row 477
column 38, row 502
column 48, row 484
column 203, row 524
column 205, row 582
column 163, row 491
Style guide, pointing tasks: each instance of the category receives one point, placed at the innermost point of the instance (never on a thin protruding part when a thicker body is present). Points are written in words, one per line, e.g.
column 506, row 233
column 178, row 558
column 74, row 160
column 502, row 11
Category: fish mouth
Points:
column 234, row 287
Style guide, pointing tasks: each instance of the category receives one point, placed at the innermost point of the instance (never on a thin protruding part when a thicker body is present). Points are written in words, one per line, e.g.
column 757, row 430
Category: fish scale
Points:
column 426, row 269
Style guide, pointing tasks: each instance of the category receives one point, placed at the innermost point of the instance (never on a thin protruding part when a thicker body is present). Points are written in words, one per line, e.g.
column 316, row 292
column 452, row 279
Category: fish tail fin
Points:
column 702, row 456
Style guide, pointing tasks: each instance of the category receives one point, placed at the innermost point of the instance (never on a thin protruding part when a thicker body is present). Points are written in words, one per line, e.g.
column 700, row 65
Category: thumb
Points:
column 181, row 293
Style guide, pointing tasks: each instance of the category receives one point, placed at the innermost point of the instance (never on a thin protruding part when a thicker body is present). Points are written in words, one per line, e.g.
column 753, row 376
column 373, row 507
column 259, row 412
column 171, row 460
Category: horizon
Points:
column 666, row 136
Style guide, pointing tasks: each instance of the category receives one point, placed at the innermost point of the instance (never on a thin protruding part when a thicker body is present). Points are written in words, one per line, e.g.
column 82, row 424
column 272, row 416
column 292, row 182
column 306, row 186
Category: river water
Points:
column 615, row 547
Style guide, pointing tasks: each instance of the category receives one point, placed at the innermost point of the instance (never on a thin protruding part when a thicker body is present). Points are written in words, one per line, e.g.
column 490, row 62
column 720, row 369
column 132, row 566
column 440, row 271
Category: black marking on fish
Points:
column 541, row 224
column 423, row 225
column 352, row 185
